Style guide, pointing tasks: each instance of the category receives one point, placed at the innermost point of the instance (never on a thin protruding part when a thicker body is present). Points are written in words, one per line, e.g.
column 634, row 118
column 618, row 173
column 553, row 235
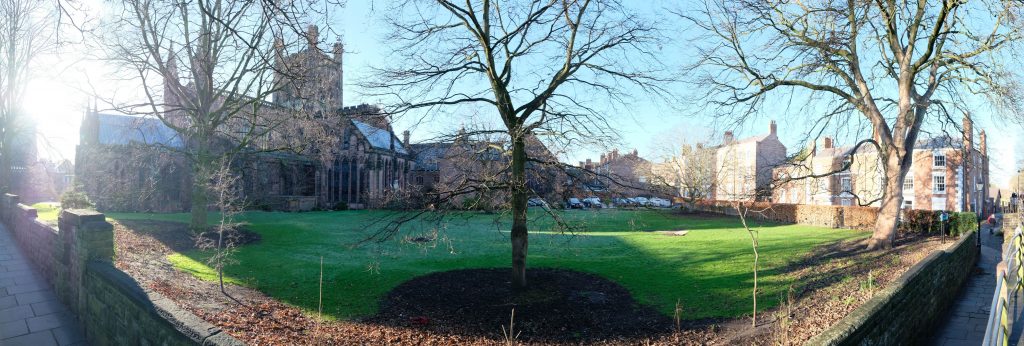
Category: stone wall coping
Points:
column 184, row 321
column 81, row 216
column 28, row 210
column 850, row 324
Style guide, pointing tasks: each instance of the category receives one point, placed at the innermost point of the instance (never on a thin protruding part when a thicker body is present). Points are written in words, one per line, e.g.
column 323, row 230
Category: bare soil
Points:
column 468, row 307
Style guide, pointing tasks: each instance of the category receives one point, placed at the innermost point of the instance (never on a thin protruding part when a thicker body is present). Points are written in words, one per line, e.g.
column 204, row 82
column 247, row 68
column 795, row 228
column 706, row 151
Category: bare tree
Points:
column 208, row 69
column 686, row 167
column 27, row 31
column 892, row 65
column 224, row 189
column 543, row 67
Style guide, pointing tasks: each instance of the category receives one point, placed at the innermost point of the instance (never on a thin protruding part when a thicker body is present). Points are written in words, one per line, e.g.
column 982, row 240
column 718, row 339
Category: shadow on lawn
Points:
column 579, row 302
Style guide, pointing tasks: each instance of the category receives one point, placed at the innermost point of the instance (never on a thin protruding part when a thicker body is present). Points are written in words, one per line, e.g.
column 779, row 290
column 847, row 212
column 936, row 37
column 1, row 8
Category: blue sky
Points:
column 58, row 106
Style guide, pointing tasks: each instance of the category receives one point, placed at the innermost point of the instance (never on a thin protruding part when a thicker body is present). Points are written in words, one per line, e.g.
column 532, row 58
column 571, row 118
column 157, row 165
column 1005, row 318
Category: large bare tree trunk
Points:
column 891, row 201
column 520, row 236
column 200, row 193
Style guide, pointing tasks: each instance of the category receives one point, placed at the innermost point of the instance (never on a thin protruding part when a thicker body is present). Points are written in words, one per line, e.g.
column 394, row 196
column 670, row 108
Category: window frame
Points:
column 936, row 184
column 845, row 184
column 935, row 160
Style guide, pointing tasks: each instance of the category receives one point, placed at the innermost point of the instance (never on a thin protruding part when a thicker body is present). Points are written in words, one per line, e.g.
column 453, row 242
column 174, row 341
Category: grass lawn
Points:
column 47, row 211
column 708, row 270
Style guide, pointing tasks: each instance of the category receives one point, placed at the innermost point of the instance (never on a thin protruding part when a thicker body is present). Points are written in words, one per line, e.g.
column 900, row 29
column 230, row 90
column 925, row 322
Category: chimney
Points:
column 828, row 143
column 583, row 164
column 312, row 36
column 983, row 144
column 634, row 153
column 812, row 147
column 589, row 163
column 728, row 138
column 615, row 154
column 405, row 138
column 968, row 134
column 603, row 157
column 339, row 50
column 772, row 127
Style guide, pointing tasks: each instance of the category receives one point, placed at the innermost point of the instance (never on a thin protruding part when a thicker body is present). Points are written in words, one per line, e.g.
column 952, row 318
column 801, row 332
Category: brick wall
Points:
column 804, row 214
column 76, row 259
column 905, row 312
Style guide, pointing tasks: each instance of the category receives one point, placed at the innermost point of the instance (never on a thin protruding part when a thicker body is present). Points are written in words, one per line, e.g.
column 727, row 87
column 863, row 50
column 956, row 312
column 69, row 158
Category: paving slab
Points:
column 965, row 321
column 30, row 313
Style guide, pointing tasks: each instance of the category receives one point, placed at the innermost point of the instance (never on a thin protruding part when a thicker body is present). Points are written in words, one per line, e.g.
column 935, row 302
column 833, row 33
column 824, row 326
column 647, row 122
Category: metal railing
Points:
column 1009, row 281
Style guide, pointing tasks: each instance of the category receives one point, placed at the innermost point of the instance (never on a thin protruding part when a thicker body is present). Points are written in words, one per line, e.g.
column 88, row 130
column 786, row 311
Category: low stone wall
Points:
column 905, row 312
column 76, row 258
column 1009, row 225
column 815, row 215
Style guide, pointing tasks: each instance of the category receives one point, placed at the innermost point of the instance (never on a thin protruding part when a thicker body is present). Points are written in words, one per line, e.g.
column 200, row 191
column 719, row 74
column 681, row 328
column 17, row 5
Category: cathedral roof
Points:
column 380, row 138
column 126, row 129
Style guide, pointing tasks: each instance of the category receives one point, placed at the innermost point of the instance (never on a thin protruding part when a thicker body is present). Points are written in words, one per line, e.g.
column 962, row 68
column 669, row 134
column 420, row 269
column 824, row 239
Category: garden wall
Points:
column 905, row 312
column 814, row 215
column 76, row 259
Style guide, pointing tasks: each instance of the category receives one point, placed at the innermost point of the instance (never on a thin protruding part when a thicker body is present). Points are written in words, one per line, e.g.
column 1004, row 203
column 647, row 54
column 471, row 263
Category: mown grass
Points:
column 707, row 270
column 47, row 211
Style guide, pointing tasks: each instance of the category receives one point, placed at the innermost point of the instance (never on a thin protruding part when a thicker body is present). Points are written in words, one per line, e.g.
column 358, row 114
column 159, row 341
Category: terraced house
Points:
column 946, row 174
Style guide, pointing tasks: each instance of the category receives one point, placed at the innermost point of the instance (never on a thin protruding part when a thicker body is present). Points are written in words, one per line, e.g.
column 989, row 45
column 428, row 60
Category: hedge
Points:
column 927, row 222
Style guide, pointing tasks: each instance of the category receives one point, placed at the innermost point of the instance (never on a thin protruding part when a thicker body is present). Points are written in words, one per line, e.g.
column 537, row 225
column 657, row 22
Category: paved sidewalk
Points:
column 30, row 313
column 965, row 321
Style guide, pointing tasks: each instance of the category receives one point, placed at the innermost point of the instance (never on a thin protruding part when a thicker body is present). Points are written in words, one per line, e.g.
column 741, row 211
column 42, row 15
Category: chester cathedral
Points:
column 135, row 163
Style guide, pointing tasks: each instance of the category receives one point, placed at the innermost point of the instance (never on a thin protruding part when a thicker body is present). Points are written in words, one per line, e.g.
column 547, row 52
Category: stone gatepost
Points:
column 7, row 206
column 84, row 235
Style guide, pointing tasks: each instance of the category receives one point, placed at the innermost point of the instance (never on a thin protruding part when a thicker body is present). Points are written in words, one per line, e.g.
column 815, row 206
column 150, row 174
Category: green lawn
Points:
column 47, row 211
column 708, row 270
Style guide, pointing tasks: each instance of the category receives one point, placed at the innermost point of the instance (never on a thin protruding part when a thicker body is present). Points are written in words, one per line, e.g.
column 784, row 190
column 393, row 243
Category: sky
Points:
column 57, row 98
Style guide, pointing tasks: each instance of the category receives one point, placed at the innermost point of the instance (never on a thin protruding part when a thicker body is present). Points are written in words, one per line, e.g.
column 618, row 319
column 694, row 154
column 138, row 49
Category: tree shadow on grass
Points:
column 655, row 276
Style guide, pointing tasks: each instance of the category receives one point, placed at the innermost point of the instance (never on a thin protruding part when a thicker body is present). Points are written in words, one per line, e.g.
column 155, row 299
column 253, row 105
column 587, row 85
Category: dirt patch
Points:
column 559, row 306
column 177, row 236
column 828, row 284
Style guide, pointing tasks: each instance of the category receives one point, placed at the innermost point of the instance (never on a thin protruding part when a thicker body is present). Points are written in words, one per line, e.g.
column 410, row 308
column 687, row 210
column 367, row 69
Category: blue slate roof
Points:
column 429, row 154
column 379, row 138
column 125, row 129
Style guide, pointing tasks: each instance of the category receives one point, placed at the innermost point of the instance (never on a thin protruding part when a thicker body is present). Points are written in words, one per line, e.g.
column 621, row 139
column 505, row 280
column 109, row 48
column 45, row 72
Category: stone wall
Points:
column 907, row 310
column 76, row 258
column 1009, row 224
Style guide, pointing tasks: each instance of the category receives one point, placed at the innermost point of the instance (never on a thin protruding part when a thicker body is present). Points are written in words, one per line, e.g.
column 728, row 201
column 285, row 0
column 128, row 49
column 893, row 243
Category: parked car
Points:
column 640, row 201
column 573, row 203
column 536, row 202
column 659, row 202
column 593, row 202
column 622, row 202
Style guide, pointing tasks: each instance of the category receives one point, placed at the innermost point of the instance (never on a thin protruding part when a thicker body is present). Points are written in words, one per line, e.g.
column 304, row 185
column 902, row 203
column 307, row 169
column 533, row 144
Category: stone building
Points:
column 136, row 163
column 743, row 168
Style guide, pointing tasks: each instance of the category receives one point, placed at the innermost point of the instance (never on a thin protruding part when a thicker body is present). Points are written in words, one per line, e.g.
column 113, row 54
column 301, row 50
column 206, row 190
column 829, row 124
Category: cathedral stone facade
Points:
column 136, row 163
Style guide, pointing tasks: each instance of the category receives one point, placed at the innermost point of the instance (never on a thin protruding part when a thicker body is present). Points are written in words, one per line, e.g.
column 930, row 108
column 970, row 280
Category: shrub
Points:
column 919, row 222
column 960, row 223
column 75, row 199
column 341, row 206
